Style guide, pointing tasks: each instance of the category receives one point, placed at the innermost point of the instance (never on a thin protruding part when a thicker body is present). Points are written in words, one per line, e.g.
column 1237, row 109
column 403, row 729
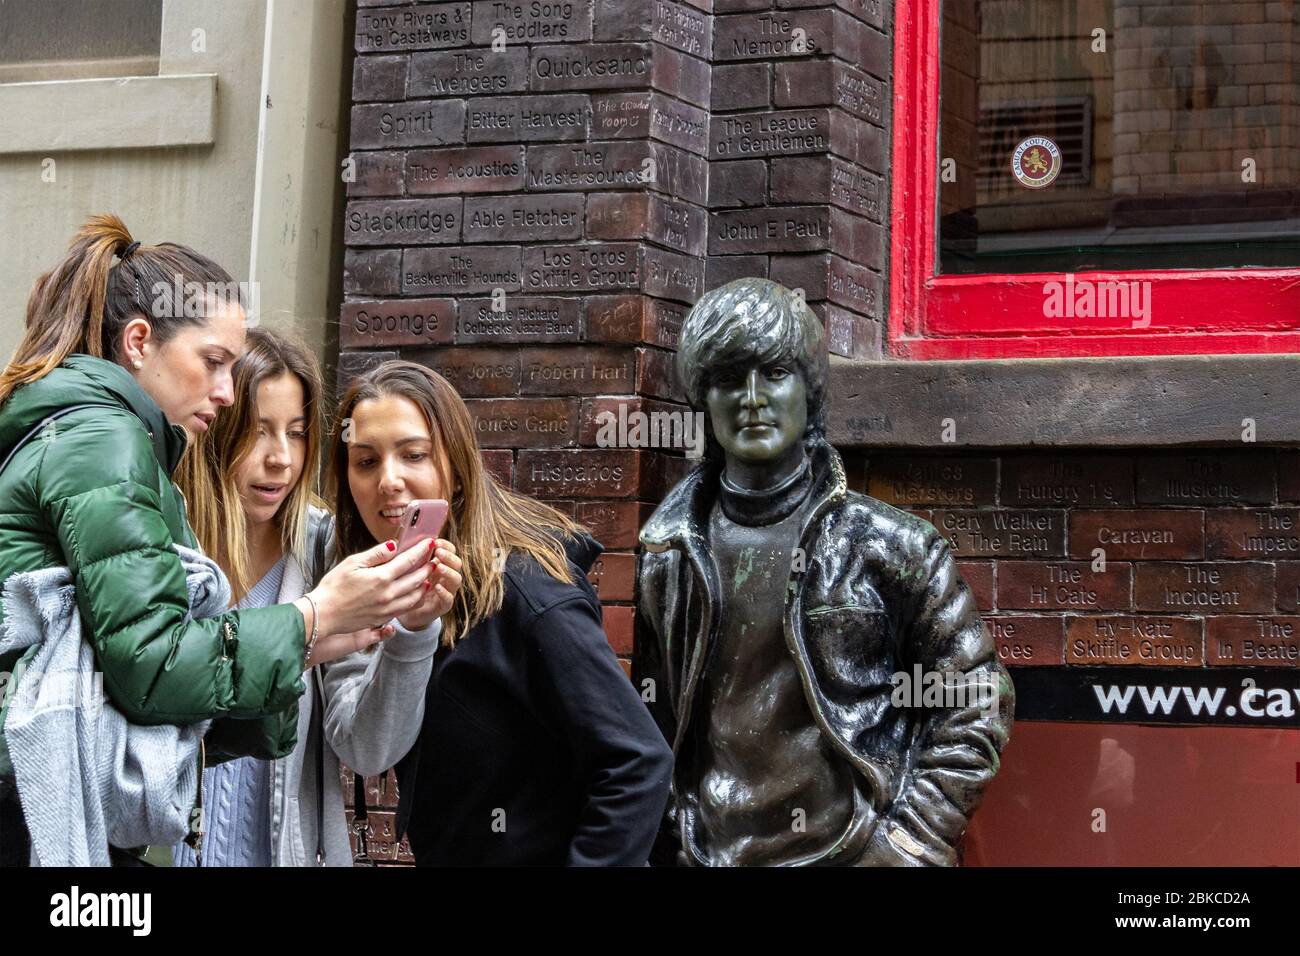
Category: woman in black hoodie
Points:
column 534, row 748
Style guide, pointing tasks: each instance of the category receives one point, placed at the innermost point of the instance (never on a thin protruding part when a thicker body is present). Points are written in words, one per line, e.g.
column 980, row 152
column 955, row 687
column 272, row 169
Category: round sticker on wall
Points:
column 1036, row 162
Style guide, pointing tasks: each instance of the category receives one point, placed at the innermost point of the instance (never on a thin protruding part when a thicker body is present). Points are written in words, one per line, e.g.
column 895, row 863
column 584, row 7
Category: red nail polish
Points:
column 390, row 545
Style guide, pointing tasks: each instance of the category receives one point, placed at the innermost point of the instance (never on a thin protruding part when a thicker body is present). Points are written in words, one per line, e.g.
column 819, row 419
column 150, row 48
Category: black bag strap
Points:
column 41, row 425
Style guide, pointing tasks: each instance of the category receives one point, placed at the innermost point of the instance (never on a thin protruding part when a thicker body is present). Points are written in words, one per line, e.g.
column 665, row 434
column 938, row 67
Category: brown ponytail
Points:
column 84, row 302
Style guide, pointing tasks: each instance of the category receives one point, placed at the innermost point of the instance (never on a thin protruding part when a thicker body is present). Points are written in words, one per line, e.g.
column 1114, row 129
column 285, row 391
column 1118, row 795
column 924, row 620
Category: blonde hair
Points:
column 206, row 473
column 84, row 302
column 486, row 522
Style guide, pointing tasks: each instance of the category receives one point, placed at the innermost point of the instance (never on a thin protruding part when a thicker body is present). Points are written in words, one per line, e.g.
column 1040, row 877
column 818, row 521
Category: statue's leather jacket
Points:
column 873, row 591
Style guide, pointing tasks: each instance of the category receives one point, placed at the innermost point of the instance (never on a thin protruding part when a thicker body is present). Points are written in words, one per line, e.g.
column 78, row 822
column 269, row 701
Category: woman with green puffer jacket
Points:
column 120, row 363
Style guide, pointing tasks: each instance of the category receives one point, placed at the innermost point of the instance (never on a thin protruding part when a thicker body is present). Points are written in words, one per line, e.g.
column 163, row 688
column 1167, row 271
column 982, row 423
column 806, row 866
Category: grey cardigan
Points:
column 373, row 708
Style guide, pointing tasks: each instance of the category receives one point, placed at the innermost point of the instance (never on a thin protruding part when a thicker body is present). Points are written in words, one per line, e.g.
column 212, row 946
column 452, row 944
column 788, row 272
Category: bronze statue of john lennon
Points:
column 780, row 608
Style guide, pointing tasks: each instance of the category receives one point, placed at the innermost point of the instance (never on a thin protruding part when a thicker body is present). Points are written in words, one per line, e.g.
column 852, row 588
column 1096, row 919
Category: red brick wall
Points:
column 1202, row 550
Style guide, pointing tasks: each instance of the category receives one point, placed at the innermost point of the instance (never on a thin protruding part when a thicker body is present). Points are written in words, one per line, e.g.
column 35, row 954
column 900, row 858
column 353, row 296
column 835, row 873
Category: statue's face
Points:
column 759, row 412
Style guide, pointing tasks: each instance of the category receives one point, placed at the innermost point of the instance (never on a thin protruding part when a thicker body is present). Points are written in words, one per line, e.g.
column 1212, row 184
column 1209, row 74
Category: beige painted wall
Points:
column 205, row 196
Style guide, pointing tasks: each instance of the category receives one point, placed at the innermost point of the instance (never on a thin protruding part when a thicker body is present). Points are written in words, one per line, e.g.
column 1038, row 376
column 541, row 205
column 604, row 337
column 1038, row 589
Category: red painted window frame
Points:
column 1000, row 315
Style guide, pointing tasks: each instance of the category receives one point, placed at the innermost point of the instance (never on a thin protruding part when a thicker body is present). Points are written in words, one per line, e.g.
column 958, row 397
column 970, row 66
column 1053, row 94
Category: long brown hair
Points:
column 486, row 522
column 206, row 473
column 84, row 302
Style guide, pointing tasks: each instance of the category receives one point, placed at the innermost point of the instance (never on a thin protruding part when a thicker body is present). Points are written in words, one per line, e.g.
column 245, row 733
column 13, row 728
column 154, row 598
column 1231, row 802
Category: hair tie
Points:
column 128, row 250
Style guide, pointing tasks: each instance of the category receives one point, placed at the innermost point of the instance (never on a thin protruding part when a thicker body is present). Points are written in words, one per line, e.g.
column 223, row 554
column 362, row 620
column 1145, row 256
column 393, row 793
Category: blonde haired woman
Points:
column 251, row 481
column 533, row 747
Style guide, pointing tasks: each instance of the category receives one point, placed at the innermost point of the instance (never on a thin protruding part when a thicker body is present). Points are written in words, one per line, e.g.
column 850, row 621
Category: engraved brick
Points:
column 1201, row 588
column 669, row 222
column 741, row 183
column 978, row 575
column 670, row 275
column 402, row 222
column 460, row 270
column 829, row 82
column 500, row 463
column 590, row 370
column 848, row 333
column 524, row 218
column 678, row 26
column 771, row 34
column 523, row 320
column 618, row 216
column 560, row 117
column 424, row 26
column 352, row 364
column 642, row 114
column 768, row 229
column 933, row 480
column 1260, row 534
column 775, row 133
column 379, row 78
column 656, row 375
column 1066, row 480
column 1064, row 586
column 372, row 271
column 1181, row 479
column 475, row 169
column 633, row 319
column 589, row 66
column 610, row 422
column 524, row 423
column 1254, row 641
column 526, row 21
column 853, row 286
column 578, row 268
column 413, row 123
column 579, row 473
column 827, row 179
column 1146, row 640
column 619, row 627
column 377, row 174
column 468, row 72
column 613, row 575
column 1137, row 534
column 742, row 86
column 681, row 75
column 1288, row 586
column 1026, row 641
column 621, row 115
column 615, row 524
column 474, row 372
column 1003, row 533
column 632, row 166
column 389, row 322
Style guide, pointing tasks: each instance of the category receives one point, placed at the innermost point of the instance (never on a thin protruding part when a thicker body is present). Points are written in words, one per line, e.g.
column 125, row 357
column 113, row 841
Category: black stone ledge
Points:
column 1094, row 402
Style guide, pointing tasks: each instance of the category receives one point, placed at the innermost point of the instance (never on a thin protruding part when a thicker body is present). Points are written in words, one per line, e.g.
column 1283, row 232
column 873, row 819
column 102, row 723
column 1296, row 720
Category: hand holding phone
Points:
column 421, row 521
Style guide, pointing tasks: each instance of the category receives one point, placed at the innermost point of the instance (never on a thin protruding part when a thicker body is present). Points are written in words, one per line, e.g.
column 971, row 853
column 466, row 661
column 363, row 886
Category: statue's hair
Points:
column 750, row 320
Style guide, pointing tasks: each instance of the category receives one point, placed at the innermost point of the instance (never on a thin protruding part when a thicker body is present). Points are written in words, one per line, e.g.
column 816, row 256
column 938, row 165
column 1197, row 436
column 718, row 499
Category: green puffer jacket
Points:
column 93, row 491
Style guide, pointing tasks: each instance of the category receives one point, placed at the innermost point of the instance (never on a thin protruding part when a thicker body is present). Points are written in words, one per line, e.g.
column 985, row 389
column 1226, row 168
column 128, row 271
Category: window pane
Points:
column 1119, row 134
column 47, row 39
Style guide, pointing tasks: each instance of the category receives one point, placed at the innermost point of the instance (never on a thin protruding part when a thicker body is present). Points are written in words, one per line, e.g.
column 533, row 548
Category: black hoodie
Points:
column 535, row 749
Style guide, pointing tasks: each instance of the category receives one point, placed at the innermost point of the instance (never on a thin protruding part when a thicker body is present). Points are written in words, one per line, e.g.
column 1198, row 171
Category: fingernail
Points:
column 390, row 545
column 432, row 544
